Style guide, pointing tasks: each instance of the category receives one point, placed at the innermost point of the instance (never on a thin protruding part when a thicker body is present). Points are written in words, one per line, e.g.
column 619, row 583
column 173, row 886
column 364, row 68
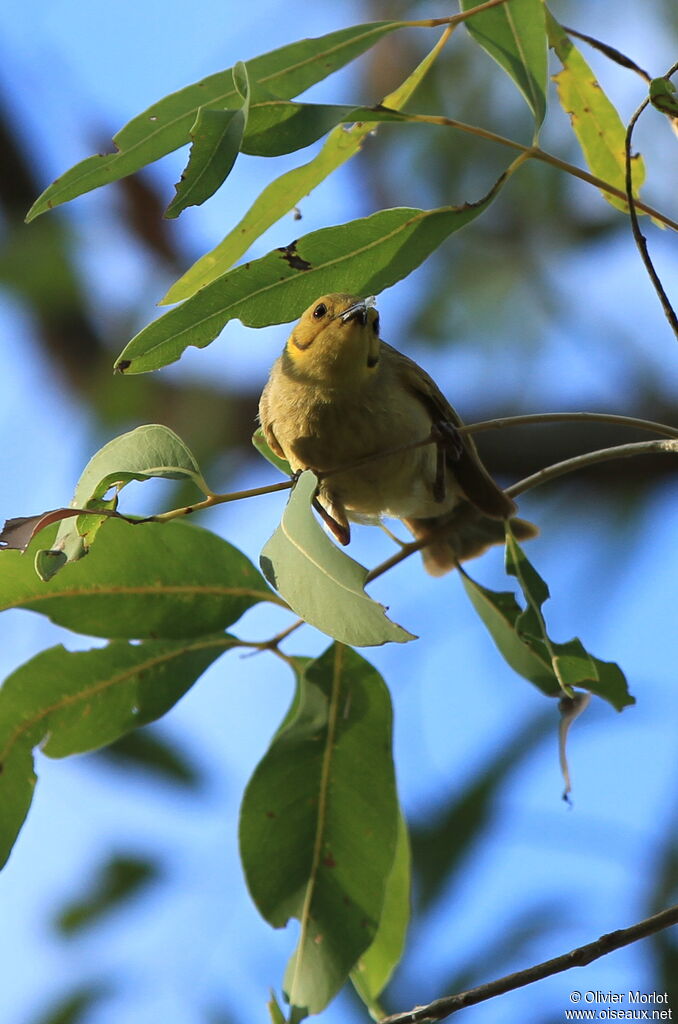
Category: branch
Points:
column 639, row 237
column 620, row 451
column 556, row 417
column 579, row 957
column 538, row 154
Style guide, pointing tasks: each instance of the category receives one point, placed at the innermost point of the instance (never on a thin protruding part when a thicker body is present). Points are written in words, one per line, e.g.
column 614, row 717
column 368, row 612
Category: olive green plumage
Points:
column 338, row 394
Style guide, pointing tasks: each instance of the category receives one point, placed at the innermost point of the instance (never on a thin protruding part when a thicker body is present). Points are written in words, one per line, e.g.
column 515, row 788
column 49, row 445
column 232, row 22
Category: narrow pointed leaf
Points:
column 154, row 580
column 375, row 967
column 70, row 702
column 362, row 256
column 166, row 125
column 216, row 141
column 598, row 127
column 321, row 583
column 523, row 640
column 118, row 879
column 514, row 34
column 319, row 823
column 151, row 450
column 285, row 192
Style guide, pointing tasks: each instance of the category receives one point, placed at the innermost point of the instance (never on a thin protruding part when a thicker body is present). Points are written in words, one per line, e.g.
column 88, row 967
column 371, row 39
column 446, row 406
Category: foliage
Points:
column 322, row 835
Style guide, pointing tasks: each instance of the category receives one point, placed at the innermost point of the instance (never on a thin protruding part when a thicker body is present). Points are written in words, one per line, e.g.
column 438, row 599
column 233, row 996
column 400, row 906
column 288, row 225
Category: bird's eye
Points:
column 375, row 324
column 319, row 311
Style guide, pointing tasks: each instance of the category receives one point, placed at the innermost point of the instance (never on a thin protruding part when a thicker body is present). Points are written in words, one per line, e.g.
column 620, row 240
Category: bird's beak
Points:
column 358, row 311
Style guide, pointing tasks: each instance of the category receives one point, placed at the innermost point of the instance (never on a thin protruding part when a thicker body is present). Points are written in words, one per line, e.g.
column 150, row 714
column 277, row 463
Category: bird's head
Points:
column 336, row 342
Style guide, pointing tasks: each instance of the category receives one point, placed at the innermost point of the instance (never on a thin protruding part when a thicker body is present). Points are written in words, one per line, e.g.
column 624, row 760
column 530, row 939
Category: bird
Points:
column 381, row 437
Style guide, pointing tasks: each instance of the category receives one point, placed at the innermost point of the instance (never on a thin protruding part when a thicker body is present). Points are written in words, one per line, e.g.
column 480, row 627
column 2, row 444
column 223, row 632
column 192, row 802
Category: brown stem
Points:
column 579, row 957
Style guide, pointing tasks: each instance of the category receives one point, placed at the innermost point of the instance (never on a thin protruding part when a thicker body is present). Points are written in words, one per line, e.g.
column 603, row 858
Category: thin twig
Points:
column 619, row 451
column 579, row 957
column 610, row 52
column 216, row 499
column 555, row 417
column 538, row 154
column 639, row 237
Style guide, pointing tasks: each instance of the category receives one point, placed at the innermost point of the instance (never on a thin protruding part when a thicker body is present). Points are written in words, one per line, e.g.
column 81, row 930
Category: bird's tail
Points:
column 464, row 533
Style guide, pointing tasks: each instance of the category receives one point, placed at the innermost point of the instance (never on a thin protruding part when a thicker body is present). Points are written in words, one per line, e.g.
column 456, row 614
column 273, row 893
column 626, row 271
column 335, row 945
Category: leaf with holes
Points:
column 361, row 257
column 166, row 125
column 216, row 140
column 286, row 191
column 319, row 822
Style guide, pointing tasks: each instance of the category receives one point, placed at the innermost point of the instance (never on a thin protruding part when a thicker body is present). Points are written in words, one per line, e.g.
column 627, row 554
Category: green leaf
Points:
column 166, row 580
column 149, row 451
column 166, row 125
column 375, row 967
column 262, row 446
column 663, row 96
column 514, row 34
column 597, row 125
column 217, row 138
column 157, row 757
column 319, row 823
column 76, row 1006
column 362, row 257
column 70, row 702
column 286, row 191
column 321, row 583
column 522, row 638
column 119, row 879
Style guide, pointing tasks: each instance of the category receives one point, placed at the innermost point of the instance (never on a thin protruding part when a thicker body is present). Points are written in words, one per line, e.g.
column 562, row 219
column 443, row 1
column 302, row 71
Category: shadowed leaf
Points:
column 70, row 702
column 116, row 882
column 319, row 822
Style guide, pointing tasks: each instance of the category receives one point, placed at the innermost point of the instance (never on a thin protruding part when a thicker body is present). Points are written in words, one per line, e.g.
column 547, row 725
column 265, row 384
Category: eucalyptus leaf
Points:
column 514, row 34
column 321, row 583
column 166, row 580
column 361, row 257
column 69, row 702
column 282, row 194
column 598, row 127
column 375, row 967
column 166, row 125
column 319, row 822
column 149, row 451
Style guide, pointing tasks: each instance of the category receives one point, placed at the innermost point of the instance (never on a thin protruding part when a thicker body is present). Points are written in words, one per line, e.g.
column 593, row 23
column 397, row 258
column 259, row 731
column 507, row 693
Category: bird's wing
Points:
column 462, row 457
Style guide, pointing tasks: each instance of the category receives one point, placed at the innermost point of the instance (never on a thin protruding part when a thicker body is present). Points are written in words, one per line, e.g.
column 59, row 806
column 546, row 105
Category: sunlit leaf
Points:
column 362, row 257
column 514, row 34
column 319, row 581
column 156, row 581
column 595, row 121
column 372, row 972
column 151, row 450
column 319, row 822
column 69, row 702
column 166, row 125
column 282, row 194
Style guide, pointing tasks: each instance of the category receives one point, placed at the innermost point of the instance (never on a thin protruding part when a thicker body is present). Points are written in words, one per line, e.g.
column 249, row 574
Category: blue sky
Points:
column 197, row 940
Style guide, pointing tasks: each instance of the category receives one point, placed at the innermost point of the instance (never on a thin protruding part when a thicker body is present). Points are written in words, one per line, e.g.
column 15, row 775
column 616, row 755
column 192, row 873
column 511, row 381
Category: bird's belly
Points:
column 327, row 437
